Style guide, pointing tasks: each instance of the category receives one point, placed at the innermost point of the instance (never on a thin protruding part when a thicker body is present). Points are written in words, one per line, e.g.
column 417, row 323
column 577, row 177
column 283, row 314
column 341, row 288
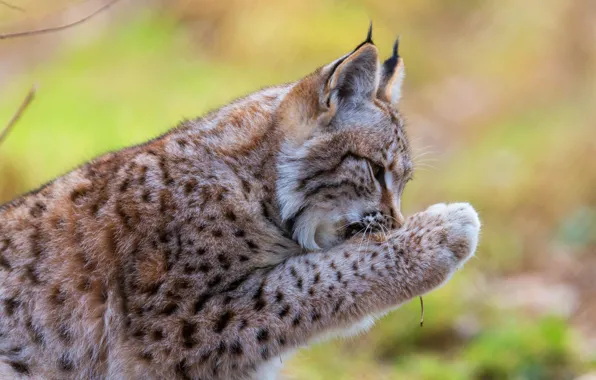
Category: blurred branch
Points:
column 57, row 28
column 24, row 104
column 11, row 6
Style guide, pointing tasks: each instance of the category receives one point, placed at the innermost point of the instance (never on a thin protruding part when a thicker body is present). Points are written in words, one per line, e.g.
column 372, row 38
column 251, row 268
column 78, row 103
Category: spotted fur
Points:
column 228, row 242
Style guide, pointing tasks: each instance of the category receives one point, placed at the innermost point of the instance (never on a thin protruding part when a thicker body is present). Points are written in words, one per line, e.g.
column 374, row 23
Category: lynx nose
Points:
column 374, row 219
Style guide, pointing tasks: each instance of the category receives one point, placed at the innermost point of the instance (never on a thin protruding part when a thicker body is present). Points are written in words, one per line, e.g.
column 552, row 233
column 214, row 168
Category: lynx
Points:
column 232, row 240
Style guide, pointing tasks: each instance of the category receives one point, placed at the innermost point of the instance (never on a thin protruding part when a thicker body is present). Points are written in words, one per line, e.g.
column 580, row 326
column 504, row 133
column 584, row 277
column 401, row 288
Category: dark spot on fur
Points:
column 182, row 370
column 296, row 321
column 204, row 357
column 124, row 186
column 169, row 309
column 338, row 305
column 77, row 194
column 138, row 334
column 224, row 261
column 214, row 281
column 57, row 296
column 230, row 215
column 243, row 258
column 263, row 335
column 157, row 334
column 20, row 367
column 235, row 284
column 84, row 284
column 164, row 237
column 4, row 263
column 260, row 304
column 236, row 348
column 221, row 349
column 38, row 209
column 223, row 321
column 65, row 364
column 217, row 233
column 252, row 245
column 181, row 284
column 200, row 303
column 10, row 305
column 189, row 186
column 34, row 332
column 153, row 288
column 32, row 275
column 188, row 329
column 315, row 316
column 279, row 296
column 245, row 186
column 204, row 267
column 146, row 356
column 239, row 233
column 284, row 311
column 189, row 269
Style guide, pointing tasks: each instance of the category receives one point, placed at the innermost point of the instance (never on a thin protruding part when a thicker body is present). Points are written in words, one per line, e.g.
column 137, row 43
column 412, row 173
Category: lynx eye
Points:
column 378, row 173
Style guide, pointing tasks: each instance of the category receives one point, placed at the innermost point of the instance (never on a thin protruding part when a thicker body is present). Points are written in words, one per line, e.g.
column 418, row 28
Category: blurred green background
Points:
column 500, row 98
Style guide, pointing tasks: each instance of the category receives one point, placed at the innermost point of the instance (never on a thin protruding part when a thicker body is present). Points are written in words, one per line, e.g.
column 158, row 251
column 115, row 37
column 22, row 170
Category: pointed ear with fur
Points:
column 392, row 77
column 352, row 78
column 315, row 99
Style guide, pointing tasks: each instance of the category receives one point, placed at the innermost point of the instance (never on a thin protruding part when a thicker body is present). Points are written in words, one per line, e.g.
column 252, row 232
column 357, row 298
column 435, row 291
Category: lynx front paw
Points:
column 461, row 225
column 447, row 230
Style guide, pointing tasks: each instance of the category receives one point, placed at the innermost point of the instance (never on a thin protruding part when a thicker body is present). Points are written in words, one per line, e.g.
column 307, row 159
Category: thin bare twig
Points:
column 12, row 6
column 57, row 28
column 421, row 312
column 28, row 99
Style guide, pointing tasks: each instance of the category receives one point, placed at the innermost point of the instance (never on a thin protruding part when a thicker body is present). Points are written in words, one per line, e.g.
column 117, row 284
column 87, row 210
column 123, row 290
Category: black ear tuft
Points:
column 391, row 63
column 369, row 35
column 392, row 75
column 368, row 39
column 396, row 47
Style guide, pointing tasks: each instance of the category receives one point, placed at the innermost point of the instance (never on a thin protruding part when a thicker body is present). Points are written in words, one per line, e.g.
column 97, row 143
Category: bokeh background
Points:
column 500, row 98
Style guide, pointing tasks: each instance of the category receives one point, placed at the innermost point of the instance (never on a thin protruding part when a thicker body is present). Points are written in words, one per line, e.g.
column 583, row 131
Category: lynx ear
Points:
column 315, row 99
column 353, row 77
column 392, row 77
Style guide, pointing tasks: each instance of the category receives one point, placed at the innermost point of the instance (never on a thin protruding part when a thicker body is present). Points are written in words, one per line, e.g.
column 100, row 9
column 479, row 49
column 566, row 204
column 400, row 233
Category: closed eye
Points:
column 378, row 173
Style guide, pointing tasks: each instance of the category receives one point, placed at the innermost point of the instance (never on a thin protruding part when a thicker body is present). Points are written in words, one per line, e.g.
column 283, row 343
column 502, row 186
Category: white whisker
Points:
column 363, row 237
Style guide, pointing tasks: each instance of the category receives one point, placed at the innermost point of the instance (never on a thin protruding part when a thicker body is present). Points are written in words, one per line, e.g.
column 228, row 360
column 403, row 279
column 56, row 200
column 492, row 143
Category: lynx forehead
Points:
column 209, row 252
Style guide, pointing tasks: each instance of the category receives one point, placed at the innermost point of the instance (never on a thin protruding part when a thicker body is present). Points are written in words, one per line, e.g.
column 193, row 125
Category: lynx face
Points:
column 346, row 159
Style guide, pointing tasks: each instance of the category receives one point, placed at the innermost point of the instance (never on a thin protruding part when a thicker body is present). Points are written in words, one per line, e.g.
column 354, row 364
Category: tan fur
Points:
column 196, row 255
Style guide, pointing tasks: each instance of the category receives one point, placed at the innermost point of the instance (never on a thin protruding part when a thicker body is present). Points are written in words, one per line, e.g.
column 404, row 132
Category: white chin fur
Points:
column 304, row 232
column 314, row 231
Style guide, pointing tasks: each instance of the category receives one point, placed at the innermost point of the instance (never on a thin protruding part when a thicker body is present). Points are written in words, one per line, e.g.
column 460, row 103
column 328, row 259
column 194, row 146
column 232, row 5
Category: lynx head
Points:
column 345, row 159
